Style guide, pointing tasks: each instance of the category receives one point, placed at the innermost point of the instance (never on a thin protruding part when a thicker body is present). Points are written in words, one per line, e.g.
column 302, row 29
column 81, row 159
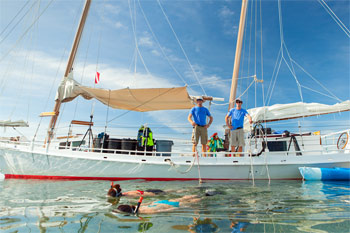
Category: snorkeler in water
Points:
column 116, row 191
column 158, row 206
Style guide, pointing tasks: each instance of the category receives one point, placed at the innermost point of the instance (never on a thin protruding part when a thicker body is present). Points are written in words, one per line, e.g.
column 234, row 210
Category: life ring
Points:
column 342, row 140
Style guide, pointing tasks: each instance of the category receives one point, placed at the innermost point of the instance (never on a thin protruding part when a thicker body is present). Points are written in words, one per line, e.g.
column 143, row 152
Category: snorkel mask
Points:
column 117, row 194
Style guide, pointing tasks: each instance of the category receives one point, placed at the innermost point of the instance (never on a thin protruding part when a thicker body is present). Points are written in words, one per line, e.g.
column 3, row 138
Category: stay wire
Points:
column 183, row 51
column 97, row 61
column 54, row 80
column 25, row 32
column 13, row 19
column 33, row 58
column 5, row 37
column 318, row 82
column 160, row 47
column 133, row 24
column 335, row 17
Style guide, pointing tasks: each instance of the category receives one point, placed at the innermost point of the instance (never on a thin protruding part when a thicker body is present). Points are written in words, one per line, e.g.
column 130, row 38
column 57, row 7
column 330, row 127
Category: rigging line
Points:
column 135, row 39
column 107, row 115
column 249, row 45
column 14, row 18
column 24, row 76
column 33, row 63
column 221, row 80
column 244, row 49
column 262, row 65
column 290, row 59
column 261, row 44
column 220, row 104
column 296, row 80
column 60, row 63
column 170, row 89
column 183, row 51
column 318, row 82
column 320, row 93
column 25, row 32
column 246, row 89
column 4, row 38
column 334, row 17
column 97, row 62
column 250, row 37
column 83, row 70
column 274, row 79
column 274, row 72
column 160, row 47
column 280, row 23
column 60, row 118
column 255, row 35
column 132, row 59
column 274, row 83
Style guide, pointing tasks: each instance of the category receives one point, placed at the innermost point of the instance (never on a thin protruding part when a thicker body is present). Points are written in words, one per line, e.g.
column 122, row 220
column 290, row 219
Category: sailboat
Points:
column 267, row 155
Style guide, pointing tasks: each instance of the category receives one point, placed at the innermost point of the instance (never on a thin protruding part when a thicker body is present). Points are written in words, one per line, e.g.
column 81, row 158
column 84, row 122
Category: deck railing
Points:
column 328, row 143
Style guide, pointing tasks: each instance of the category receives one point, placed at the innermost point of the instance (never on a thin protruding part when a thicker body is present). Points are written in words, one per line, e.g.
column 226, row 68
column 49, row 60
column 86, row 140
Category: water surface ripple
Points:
column 82, row 206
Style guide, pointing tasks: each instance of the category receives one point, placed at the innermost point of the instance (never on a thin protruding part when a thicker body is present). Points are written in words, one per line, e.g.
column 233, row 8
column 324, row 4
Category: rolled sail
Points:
column 280, row 112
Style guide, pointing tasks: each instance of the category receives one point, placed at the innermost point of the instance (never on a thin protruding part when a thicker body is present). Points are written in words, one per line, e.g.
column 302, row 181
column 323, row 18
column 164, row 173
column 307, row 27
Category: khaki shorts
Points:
column 237, row 137
column 200, row 131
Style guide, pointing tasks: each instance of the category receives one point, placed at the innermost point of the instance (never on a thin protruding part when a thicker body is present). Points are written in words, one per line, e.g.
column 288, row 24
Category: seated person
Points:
column 159, row 206
column 116, row 191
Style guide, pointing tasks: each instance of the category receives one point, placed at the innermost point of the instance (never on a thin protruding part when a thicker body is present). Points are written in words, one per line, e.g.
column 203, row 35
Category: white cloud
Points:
column 145, row 41
column 119, row 25
column 226, row 15
column 225, row 12
column 156, row 52
column 111, row 9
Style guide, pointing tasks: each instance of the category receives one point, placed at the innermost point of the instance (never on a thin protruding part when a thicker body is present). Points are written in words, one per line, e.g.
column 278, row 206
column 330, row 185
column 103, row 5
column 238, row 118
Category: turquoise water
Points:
column 82, row 206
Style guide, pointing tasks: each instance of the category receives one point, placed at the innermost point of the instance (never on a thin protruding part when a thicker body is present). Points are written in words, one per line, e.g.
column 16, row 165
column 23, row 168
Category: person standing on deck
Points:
column 237, row 119
column 199, row 123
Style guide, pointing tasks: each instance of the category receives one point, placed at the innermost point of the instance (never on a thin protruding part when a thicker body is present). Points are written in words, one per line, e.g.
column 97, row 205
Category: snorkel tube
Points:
column 139, row 202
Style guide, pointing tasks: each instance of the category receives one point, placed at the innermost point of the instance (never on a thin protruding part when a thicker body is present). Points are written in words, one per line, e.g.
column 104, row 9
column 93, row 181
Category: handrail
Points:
column 335, row 133
column 325, row 150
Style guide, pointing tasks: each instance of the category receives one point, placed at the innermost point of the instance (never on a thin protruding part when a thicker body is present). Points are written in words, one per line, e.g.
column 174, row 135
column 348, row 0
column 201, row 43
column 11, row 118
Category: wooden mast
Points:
column 238, row 54
column 68, row 68
column 236, row 65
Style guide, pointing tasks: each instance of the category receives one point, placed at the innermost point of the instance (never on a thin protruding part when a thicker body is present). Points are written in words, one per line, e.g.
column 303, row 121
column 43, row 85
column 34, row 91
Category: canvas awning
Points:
column 280, row 112
column 142, row 100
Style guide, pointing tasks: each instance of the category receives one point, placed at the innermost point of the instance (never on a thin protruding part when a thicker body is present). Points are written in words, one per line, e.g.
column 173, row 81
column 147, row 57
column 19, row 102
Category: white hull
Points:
column 20, row 162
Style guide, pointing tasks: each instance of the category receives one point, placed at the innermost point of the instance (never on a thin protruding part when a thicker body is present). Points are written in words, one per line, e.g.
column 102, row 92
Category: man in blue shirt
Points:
column 199, row 123
column 237, row 119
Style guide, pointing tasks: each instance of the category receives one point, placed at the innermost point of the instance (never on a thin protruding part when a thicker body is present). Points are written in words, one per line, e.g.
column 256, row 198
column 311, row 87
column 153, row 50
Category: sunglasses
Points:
column 239, row 102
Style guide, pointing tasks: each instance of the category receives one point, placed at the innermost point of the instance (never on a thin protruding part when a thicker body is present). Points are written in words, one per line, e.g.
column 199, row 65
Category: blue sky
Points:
column 33, row 64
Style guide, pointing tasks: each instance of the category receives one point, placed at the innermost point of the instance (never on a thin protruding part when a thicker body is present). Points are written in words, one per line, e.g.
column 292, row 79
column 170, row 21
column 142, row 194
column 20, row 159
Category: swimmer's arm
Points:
column 156, row 209
column 137, row 194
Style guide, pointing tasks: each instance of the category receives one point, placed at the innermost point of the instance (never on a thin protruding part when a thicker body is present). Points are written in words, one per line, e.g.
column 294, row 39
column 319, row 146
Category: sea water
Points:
column 82, row 206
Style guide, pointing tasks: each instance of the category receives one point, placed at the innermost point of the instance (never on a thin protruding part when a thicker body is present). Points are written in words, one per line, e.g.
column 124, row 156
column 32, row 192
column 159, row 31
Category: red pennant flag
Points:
column 97, row 77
